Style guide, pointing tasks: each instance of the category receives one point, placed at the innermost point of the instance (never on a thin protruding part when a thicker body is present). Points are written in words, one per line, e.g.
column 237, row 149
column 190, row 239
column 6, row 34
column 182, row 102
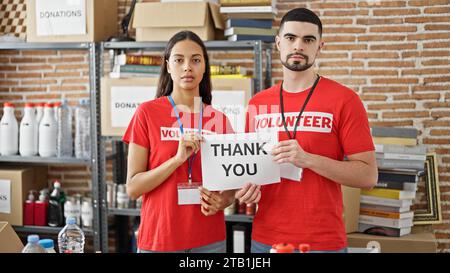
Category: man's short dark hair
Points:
column 301, row 15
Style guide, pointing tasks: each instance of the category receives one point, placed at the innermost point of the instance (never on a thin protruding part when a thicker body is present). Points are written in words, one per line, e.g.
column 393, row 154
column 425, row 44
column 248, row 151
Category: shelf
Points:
column 137, row 212
column 239, row 218
column 43, row 46
column 124, row 212
column 112, row 138
column 45, row 160
column 212, row 45
column 46, row 230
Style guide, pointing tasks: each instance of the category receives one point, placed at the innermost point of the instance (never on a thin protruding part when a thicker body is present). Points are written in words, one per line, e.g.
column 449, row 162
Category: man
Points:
column 319, row 122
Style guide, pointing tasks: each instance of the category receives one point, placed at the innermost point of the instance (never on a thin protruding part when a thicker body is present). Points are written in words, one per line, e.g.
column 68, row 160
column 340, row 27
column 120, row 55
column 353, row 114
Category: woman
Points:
column 163, row 159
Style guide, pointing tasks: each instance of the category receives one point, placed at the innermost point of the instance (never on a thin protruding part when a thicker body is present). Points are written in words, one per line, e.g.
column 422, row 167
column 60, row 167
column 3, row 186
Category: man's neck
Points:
column 295, row 82
column 186, row 98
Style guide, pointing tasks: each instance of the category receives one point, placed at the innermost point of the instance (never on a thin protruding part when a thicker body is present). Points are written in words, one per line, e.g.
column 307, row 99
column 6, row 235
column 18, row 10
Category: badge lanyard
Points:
column 192, row 157
column 301, row 111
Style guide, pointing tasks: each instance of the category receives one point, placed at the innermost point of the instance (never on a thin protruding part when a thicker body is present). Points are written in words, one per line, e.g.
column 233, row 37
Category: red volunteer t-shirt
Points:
column 165, row 225
column 333, row 124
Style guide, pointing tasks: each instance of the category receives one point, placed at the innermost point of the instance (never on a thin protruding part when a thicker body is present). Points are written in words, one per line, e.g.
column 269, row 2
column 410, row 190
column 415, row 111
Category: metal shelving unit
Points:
column 256, row 46
column 124, row 212
column 119, row 165
column 45, row 160
column 241, row 218
column 46, row 230
column 93, row 162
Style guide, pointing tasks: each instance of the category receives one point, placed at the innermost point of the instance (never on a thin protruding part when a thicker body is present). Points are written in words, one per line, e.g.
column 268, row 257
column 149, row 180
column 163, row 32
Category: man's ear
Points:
column 277, row 41
column 321, row 44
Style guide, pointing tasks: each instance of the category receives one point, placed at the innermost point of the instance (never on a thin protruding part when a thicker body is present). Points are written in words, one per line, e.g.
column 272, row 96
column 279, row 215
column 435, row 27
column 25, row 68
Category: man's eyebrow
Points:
column 289, row 34
column 309, row 37
column 304, row 37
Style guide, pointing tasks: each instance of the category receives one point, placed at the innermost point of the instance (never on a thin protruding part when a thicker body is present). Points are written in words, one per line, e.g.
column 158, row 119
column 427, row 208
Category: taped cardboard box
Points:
column 47, row 20
column 9, row 241
column 351, row 202
column 15, row 184
column 411, row 243
column 160, row 21
column 121, row 97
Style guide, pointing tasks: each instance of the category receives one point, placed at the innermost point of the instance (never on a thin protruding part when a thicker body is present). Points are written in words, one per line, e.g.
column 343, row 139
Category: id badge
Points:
column 188, row 194
column 290, row 171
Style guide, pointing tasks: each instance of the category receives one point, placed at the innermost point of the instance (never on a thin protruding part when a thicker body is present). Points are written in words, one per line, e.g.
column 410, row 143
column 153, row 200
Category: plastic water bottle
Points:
column 55, row 206
column 28, row 139
column 33, row 245
column 9, row 131
column 47, row 245
column 56, row 106
column 71, row 238
column 82, row 130
column 47, row 133
column 64, row 146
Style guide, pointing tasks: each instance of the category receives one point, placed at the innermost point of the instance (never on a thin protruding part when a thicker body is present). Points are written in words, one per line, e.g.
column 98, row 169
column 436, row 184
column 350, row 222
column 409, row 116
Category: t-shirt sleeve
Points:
column 354, row 131
column 138, row 129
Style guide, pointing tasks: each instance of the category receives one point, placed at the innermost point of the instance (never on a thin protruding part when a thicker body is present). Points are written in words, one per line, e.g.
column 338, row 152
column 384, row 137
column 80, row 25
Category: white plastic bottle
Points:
column 87, row 213
column 39, row 111
column 71, row 238
column 33, row 245
column 39, row 114
column 82, row 130
column 9, row 131
column 47, row 133
column 47, row 245
column 28, row 139
column 64, row 146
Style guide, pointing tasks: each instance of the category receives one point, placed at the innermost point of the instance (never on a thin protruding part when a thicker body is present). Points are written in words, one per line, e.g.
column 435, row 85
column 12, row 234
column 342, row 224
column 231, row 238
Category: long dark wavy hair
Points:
column 165, row 84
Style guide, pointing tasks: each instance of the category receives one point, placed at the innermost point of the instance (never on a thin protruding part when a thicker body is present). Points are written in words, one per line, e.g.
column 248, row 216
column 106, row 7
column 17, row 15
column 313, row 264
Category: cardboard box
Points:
column 411, row 243
column 21, row 181
column 121, row 97
column 100, row 22
column 160, row 21
column 350, row 199
column 9, row 241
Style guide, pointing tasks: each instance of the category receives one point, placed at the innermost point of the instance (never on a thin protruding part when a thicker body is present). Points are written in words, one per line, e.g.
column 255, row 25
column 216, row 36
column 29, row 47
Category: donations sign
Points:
column 230, row 161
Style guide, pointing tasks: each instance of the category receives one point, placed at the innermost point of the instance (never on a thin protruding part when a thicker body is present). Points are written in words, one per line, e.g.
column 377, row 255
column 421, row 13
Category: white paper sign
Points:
column 5, row 196
column 230, row 161
column 232, row 104
column 60, row 17
column 290, row 171
column 125, row 100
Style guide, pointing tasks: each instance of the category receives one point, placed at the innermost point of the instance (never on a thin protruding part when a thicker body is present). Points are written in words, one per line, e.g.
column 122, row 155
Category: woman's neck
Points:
column 188, row 99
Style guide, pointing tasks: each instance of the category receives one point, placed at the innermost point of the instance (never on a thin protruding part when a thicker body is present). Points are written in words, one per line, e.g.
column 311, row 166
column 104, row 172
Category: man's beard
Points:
column 296, row 65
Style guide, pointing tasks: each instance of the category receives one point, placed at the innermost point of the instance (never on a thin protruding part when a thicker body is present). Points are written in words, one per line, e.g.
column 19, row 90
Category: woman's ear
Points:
column 167, row 66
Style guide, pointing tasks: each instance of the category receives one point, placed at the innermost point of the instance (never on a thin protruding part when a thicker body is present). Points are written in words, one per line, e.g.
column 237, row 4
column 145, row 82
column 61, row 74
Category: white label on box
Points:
column 60, row 17
column 238, row 241
column 125, row 100
column 5, row 196
column 232, row 104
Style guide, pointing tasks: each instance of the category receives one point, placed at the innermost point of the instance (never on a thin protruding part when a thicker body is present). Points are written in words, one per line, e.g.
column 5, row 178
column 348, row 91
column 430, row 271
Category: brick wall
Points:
column 395, row 54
